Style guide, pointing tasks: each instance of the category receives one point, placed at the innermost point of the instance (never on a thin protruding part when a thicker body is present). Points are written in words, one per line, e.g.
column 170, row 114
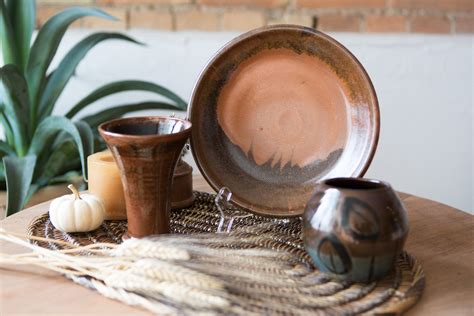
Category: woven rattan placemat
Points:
column 299, row 289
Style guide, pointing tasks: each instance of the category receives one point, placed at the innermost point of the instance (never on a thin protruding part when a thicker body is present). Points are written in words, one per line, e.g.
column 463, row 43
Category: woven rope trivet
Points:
column 299, row 289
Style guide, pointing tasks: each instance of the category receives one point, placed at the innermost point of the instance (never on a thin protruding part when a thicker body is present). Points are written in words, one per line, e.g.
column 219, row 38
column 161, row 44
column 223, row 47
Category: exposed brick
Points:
column 149, row 18
column 138, row 2
column 119, row 13
column 43, row 13
column 339, row 23
column 305, row 20
column 442, row 5
column 242, row 20
column 430, row 24
column 197, row 20
column 465, row 24
column 385, row 23
column 427, row 16
column 252, row 3
column 341, row 3
column 69, row 2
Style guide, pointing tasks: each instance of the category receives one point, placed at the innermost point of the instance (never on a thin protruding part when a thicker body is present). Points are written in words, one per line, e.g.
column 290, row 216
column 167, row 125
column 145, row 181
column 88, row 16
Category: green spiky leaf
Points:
column 46, row 44
column 7, row 37
column 63, row 152
column 118, row 111
column 66, row 68
column 49, row 128
column 18, row 174
column 5, row 149
column 16, row 105
column 2, row 175
column 127, row 85
column 60, row 156
column 68, row 177
column 22, row 15
column 7, row 129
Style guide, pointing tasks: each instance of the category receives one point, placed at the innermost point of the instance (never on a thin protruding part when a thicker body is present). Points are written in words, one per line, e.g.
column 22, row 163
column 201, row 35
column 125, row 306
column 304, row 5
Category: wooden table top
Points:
column 440, row 238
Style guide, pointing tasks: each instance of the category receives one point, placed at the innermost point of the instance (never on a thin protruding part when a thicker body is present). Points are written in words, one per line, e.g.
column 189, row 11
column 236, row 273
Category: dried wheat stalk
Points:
column 177, row 292
column 170, row 271
column 202, row 274
column 145, row 248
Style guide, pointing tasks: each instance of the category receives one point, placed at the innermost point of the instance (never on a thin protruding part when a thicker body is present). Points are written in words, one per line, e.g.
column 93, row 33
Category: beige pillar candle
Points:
column 104, row 182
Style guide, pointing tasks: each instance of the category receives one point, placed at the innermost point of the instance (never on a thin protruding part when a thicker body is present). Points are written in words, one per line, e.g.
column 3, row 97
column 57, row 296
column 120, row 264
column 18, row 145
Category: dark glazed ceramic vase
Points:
column 146, row 150
column 354, row 229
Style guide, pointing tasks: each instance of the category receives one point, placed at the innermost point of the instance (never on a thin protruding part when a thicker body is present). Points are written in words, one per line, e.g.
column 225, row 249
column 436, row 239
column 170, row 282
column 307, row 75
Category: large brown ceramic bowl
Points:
column 278, row 109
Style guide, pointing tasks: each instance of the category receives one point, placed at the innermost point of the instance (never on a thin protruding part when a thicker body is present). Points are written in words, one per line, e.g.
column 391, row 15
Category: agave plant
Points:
column 38, row 147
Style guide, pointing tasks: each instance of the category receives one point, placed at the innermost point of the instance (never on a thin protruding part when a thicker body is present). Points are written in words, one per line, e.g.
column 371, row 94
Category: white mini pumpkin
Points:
column 76, row 213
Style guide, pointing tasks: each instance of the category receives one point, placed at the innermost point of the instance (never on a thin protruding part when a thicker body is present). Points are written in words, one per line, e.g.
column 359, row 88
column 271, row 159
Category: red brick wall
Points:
column 422, row 16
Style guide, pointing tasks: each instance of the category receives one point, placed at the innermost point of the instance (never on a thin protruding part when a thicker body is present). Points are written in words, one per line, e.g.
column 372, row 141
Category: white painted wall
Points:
column 424, row 84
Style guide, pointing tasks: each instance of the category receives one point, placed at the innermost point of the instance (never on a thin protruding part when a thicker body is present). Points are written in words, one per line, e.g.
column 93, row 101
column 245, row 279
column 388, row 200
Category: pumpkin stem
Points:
column 74, row 190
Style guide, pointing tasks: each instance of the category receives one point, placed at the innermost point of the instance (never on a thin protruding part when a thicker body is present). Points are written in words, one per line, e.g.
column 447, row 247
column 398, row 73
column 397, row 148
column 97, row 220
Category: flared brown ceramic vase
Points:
column 146, row 150
column 354, row 229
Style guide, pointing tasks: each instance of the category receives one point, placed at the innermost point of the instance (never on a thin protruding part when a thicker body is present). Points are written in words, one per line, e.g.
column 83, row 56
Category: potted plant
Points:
column 40, row 148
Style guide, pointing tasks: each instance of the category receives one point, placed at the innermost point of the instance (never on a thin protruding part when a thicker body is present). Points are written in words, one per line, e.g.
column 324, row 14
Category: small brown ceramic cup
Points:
column 146, row 150
column 354, row 229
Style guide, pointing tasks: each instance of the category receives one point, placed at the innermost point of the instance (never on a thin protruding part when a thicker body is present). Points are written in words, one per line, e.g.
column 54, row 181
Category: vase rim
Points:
column 104, row 128
column 357, row 184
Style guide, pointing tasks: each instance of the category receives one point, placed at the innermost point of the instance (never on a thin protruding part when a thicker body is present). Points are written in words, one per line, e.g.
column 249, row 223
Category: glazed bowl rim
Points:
column 380, row 185
column 104, row 131
column 285, row 27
